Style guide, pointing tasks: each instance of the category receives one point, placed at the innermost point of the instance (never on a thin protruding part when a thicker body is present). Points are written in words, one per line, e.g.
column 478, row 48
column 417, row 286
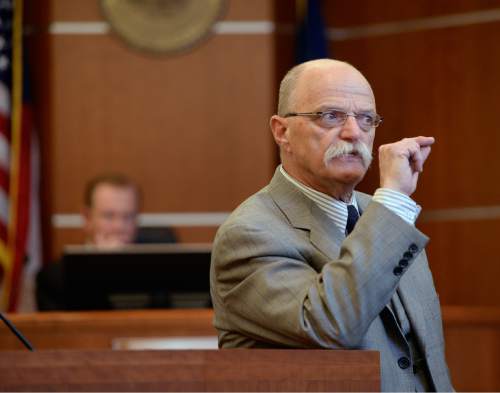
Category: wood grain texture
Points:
column 464, row 262
column 90, row 10
column 215, row 370
column 472, row 345
column 97, row 329
column 191, row 130
column 363, row 12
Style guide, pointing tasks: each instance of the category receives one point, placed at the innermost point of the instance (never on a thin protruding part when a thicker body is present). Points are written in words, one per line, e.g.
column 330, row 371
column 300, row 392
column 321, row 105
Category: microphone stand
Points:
column 18, row 334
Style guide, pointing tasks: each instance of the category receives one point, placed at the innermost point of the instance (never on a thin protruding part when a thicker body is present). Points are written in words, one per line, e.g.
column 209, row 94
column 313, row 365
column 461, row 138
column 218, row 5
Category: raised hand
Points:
column 402, row 162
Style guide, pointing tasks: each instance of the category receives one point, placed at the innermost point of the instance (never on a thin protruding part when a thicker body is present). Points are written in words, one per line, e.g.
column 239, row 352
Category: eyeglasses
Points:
column 337, row 118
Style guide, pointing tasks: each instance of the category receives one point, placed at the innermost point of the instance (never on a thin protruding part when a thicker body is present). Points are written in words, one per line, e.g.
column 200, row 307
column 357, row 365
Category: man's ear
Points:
column 279, row 128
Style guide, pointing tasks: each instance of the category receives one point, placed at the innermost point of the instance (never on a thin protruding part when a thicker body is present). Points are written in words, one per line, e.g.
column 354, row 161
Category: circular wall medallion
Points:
column 162, row 26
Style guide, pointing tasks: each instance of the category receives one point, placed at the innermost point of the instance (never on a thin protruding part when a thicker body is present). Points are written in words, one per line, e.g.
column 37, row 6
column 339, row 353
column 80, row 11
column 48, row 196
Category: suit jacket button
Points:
column 403, row 362
column 408, row 255
column 398, row 270
column 403, row 262
column 413, row 248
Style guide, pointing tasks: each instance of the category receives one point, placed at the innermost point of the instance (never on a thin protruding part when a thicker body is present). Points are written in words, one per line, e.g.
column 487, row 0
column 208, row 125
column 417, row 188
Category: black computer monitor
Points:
column 137, row 276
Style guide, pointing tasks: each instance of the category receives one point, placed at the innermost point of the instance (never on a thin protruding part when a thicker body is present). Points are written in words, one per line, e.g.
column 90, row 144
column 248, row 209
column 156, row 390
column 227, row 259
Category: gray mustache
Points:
column 342, row 147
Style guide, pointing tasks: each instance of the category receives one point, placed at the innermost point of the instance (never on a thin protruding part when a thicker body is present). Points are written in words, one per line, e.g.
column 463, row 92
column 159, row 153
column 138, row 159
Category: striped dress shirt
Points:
column 336, row 210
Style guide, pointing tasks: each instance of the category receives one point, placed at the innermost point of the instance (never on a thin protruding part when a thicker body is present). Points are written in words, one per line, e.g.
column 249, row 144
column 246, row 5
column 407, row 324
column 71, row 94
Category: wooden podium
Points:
column 190, row 370
column 472, row 336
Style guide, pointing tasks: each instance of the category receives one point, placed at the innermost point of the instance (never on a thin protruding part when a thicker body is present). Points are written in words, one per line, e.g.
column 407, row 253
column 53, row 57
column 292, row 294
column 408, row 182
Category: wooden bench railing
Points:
column 472, row 335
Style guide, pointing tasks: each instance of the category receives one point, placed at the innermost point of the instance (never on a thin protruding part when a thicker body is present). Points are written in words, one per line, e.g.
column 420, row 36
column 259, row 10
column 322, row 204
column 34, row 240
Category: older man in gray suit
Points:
column 294, row 267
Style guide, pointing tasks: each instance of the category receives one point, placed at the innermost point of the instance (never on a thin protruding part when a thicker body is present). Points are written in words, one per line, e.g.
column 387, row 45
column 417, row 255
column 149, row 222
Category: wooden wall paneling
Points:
column 472, row 336
column 63, row 237
column 284, row 17
column 195, row 234
column 191, row 128
column 243, row 10
column 365, row 12
column 440, row 83
column 196, row 140
column 90, row 10
column 464, row 261
column 87, row 10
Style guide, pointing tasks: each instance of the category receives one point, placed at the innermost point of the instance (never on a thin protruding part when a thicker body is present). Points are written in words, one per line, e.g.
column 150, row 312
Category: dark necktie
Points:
column 352, row 218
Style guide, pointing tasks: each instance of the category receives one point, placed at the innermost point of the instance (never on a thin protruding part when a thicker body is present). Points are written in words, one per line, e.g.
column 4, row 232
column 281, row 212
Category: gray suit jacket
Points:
column 283, row 275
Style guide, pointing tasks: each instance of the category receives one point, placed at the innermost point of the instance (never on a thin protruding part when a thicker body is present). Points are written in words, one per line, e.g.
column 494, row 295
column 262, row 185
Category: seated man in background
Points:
column 294, row 267
column 110, row 212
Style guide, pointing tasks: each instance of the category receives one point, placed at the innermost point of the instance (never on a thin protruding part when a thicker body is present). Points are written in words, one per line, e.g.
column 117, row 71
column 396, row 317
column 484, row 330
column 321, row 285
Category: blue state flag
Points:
column 311, row 36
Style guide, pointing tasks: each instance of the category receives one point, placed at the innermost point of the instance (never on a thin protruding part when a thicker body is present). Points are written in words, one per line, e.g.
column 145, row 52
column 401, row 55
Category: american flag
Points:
column 15, row 145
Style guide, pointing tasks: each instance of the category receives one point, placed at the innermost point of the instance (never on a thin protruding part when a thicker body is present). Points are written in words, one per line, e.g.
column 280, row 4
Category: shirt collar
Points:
column 333, row 208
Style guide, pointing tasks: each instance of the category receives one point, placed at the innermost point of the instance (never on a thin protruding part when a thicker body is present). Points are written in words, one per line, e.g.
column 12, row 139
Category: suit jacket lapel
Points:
column 325, row 235
column 303, row 213
column 362, row 200
column 294, row 205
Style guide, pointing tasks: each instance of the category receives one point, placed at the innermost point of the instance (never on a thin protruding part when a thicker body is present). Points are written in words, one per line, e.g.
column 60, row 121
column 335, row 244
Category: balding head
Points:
column 329, row 158
column 299, row 79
